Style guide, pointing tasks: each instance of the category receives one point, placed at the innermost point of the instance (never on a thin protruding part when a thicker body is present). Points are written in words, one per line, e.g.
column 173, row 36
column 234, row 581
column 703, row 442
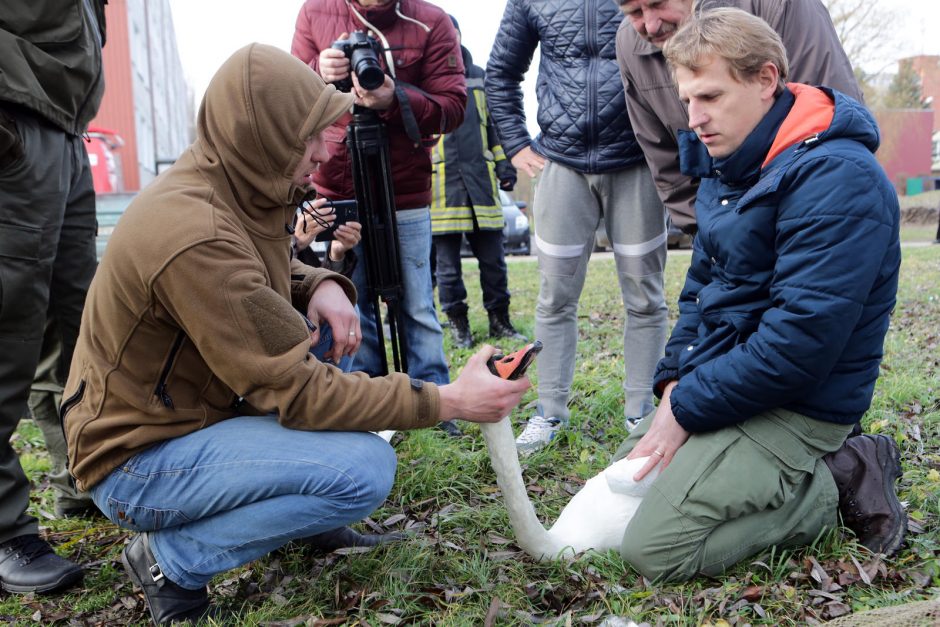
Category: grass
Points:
column 462, row 568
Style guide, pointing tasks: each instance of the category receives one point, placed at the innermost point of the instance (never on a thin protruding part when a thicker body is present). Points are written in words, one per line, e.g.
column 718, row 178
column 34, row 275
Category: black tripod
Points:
column 372, row 180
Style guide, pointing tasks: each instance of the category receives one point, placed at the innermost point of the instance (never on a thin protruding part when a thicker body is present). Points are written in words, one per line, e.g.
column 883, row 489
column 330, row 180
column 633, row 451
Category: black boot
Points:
column 865, row 469
column 28, row 564
column 450, row 428
column 168, row 602
column 500, row 326
column 460, row 330
column 345, row 537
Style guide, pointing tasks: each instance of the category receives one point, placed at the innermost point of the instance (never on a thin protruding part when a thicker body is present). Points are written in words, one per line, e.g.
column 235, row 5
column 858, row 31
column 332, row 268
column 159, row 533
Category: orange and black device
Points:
column 514, row 365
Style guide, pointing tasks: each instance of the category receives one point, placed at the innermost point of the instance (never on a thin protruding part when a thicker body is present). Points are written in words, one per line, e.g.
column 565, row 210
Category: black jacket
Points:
column 582, row 110
column 50, row 59
column 470, row 167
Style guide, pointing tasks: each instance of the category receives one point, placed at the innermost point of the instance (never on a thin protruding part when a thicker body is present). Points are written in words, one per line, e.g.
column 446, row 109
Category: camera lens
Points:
column 367, row 69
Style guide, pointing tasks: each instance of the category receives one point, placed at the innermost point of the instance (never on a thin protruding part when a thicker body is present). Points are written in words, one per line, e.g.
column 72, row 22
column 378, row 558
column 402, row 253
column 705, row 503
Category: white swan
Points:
column 596, row 517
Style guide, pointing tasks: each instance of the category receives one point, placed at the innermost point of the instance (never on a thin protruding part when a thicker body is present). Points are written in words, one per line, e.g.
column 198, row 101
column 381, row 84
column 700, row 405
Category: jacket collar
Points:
column 381, row 16
column 743, row 166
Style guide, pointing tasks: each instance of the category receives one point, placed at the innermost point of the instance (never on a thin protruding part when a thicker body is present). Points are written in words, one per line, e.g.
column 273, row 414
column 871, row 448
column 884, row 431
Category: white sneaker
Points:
column 538, row 432
column 631, row 423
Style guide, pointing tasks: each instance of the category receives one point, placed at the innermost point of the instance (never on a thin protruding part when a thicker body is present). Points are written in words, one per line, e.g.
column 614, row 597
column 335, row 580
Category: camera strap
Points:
column 407, row 114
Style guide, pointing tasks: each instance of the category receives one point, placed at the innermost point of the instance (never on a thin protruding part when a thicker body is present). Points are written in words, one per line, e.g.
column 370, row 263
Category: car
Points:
column 516, row 231
column 108, row 208
column 675, row 237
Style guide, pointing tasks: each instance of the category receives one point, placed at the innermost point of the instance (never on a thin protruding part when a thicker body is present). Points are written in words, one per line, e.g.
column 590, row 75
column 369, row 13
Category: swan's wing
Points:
column 620, row 474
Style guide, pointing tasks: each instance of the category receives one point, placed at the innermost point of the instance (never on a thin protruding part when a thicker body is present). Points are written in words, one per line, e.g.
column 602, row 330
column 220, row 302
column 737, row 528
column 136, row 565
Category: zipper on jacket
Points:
column 590, row 32
column 64, row 408
column 160, row 391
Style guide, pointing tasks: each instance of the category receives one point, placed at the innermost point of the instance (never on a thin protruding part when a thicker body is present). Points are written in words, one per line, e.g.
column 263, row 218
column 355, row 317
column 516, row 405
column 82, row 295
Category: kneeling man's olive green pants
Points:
column 731, row 493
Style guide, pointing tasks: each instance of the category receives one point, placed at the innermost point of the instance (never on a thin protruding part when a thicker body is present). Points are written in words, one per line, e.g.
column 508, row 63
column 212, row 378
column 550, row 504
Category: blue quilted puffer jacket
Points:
column 795, row 269
column 582, row 111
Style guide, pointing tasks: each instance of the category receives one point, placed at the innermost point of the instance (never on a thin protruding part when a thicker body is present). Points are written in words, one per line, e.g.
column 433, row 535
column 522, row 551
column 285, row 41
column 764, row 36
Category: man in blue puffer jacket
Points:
column 590, row 169
column 782, row 320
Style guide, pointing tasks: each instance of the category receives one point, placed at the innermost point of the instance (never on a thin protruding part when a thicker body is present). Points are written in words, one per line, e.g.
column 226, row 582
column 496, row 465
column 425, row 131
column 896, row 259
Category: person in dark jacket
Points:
column 782, row 318
column 656, row 113
column 48, row 94
column 465, row 201
column 424, row 86
column 590, row 169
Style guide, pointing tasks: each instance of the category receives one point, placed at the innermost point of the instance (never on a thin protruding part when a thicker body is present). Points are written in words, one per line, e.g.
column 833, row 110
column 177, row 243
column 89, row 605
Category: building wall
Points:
column 906, row 144
column 116, row 112
column 146, row 99
column 928, row 68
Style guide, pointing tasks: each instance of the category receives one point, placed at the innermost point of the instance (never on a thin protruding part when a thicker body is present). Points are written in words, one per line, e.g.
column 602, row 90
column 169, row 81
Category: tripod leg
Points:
column 396, row 325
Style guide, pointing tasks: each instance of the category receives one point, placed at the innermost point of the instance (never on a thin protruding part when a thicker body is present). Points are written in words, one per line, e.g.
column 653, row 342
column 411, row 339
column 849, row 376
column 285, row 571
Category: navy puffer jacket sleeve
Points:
column 582, row 111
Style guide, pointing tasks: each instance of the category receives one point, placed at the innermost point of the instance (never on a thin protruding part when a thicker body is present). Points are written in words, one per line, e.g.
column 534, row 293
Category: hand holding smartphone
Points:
column 344, row 211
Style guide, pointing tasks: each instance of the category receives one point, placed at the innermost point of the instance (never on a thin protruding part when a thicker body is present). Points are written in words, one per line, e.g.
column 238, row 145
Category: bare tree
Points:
column 865, row 28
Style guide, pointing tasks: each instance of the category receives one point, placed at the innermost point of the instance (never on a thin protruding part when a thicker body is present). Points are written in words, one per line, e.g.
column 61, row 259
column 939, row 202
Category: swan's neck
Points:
column 530, row 534
column 595, row 518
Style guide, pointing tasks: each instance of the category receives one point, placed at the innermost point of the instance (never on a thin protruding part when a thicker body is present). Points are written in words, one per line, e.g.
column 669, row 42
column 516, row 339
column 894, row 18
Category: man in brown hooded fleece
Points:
column 194, row 411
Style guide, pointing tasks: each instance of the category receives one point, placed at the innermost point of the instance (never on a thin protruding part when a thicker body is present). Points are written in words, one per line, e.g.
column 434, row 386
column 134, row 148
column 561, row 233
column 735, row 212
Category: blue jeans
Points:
column 424, row 339
column 235, row 491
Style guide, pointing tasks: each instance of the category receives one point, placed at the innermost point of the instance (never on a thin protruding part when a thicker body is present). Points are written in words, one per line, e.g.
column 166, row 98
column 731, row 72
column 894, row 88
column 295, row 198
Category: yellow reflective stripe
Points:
column 489, row 217
column 439, row 184
column 498, row 153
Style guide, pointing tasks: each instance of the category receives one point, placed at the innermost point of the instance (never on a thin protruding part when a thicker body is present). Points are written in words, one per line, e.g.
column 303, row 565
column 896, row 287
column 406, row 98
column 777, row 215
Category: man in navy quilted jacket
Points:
column 782, row 318
column 590, row 170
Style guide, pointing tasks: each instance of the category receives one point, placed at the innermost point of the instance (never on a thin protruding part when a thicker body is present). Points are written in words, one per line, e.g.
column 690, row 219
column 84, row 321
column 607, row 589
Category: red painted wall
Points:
column 928, row 68
column 117, row 105
column 905, row 150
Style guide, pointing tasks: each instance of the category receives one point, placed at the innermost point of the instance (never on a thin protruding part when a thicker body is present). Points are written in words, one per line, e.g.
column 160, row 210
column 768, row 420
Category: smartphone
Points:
column 345, row 210
column 514, row 366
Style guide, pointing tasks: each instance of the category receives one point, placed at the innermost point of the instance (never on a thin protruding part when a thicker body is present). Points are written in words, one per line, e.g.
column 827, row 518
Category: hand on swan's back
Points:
column 598, row 514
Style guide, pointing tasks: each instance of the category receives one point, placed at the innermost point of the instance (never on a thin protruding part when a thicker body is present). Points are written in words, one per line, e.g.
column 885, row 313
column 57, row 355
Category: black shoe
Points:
column 501, row 327
column 345, row 537
column 28, row 564
column 865, row 469
column 460, row 330
column 168, row 602
column 450, row 428
column 78, row 511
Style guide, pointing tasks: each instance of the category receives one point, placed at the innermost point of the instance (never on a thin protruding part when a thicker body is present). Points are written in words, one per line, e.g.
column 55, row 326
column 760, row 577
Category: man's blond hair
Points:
column 745, row 41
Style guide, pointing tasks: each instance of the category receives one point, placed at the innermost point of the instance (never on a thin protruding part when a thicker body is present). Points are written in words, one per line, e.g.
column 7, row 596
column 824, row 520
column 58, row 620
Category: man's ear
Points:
column 769, row 78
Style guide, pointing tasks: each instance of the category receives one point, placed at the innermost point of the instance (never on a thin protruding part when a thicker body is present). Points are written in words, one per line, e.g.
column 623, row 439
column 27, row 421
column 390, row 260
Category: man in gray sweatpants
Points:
column 591, row 169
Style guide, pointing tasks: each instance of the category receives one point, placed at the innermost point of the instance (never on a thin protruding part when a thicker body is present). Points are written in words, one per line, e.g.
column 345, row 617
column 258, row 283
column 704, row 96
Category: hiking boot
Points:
column 501, row 327
column 450, row 428
column 28, row 564
column 346, row 537
column 168, row 602
column 538, row 432
column 460, row 330
column 865, row 469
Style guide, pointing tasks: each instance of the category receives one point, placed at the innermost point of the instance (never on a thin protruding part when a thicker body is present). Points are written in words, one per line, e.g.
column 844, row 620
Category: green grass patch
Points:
column 461, row 565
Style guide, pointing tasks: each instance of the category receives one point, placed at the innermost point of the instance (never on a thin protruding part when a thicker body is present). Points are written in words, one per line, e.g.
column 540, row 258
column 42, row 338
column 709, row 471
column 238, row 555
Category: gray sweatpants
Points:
column 568, row 208
column 47, row 260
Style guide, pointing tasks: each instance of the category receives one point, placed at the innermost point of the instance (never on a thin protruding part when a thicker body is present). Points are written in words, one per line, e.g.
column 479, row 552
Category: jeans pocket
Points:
column 143, row 518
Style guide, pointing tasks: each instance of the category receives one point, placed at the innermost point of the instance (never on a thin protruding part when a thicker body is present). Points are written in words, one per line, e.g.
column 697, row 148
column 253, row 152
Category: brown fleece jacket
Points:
column 194, row 314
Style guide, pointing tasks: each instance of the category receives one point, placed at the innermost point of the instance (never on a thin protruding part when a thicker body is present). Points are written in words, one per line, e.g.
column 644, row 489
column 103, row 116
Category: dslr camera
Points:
column 363, row 52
